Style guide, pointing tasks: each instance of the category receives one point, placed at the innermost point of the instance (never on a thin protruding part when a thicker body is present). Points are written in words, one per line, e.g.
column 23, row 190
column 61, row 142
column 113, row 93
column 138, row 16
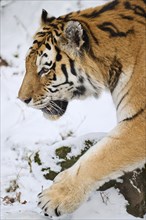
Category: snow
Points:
column 25, row 131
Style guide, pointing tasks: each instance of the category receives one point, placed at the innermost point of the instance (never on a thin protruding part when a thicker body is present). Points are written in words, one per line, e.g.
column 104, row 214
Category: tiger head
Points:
column 55, row 72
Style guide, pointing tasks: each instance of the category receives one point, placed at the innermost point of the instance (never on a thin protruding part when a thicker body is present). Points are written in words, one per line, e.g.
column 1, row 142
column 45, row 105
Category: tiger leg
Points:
column 122, row 150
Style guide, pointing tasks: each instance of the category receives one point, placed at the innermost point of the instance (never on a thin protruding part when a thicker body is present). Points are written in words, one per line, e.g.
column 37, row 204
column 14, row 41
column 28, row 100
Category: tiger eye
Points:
column 42, row 71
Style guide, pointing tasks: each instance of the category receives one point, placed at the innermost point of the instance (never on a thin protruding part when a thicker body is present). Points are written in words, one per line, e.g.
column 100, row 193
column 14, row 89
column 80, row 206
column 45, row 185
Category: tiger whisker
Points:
column 55, row 105
column 56, row 108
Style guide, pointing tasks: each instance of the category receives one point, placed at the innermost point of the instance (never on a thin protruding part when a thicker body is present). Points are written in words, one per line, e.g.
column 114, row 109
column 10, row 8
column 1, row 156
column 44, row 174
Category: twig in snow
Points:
column 104, row 197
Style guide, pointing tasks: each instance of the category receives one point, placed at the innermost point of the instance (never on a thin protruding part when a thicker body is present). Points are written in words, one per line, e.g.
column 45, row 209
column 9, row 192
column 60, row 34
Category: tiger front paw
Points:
column 64, row 196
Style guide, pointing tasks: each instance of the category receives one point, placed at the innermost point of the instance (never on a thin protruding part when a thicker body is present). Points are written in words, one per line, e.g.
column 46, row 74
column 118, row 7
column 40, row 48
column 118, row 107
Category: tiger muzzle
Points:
column 57, row 108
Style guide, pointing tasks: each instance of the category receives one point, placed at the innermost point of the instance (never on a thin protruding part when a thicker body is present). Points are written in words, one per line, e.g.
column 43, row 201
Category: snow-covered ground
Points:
column 25, row 130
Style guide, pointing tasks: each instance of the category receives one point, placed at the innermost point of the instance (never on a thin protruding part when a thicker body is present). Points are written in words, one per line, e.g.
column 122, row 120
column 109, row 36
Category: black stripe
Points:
column 48, row 46
column 49, row 34
column 136, row 9
column 134, row 116
column 64, row 70
column 115, row 71
column 122, row 99
column 70, row 83
column 45, row 55
column 32, row 52
column 140, row 11
column 58, row 56
column 54, row 40
column 67, row 16
column 89, row 80
column 37, row 42
column 92, row 54
column 60, row 18
column 94, row 14
column 140, row 22
column 57, row 34
column 54, row 25
column 113, row 30
column 72, row 67
column 70, row 88
column 48, row 64
column 56, row 90
column 50, row 19
column 41, row 34
column 126, row 17
column 45, row 210
column 53, row 67
column 107, row 7
column 45, row 89
column 54, row 77
column 46, row 28
column 61, row 25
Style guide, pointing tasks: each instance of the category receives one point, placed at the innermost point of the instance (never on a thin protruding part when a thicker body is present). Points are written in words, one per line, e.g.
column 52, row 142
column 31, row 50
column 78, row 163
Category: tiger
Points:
column 78, row 55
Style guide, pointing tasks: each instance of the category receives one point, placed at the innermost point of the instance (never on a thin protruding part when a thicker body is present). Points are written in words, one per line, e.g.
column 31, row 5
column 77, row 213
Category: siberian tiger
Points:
column 76, row 56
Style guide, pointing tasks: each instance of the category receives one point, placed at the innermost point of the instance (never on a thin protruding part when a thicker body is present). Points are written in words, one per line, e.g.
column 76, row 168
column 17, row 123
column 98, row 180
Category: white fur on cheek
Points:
column 41, row 60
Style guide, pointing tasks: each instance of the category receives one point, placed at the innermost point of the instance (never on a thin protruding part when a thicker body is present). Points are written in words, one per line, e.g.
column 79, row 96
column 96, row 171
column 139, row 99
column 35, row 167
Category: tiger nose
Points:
column 26, row 101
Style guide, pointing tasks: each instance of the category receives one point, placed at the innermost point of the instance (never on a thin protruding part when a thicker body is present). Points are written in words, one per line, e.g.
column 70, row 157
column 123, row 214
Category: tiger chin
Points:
column 55, row 113
column 76, row 56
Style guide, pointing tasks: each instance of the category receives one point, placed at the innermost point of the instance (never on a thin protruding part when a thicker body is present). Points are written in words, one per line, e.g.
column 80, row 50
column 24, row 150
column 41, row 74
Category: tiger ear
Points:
column 71, row 40
column 45, row 18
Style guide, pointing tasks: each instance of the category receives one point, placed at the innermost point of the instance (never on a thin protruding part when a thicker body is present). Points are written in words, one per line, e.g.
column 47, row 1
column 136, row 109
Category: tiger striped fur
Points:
column 79, row 55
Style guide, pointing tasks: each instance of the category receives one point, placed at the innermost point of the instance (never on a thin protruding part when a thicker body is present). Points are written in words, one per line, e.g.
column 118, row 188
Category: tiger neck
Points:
column 112, row 76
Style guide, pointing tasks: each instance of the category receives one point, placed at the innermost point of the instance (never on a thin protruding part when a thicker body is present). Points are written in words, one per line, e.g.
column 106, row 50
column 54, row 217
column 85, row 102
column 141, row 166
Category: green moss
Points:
column 62, row 152
column 107, row 185
column 37, row 159
column 50, row 175
column 45, row 169
column 67, row 163
column 89, row 143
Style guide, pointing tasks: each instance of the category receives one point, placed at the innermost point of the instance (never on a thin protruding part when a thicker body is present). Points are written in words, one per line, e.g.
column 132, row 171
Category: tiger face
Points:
column 54, row 74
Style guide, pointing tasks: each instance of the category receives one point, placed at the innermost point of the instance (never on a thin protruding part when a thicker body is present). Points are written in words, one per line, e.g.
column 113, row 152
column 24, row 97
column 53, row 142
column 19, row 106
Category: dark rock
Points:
column 133, row 189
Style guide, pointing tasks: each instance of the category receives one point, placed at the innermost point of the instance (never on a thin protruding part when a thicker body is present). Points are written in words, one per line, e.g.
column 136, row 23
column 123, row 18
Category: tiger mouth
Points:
column 55, row 108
